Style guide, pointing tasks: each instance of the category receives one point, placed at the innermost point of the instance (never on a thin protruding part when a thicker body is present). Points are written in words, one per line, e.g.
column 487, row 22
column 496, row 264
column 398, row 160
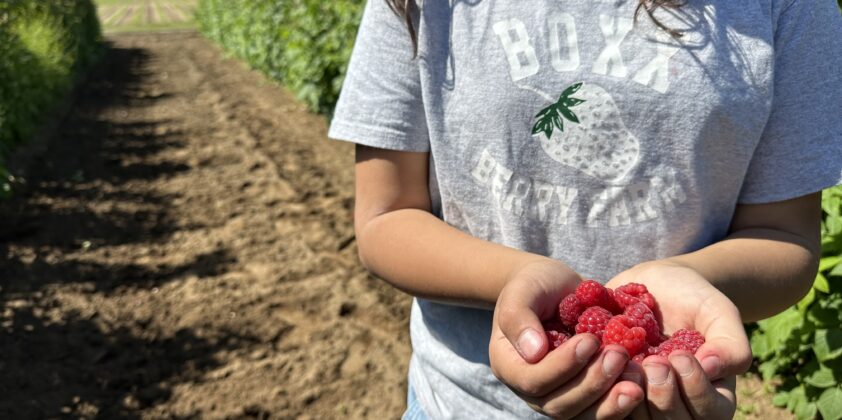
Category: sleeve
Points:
column 380, row 104
column 800, row 150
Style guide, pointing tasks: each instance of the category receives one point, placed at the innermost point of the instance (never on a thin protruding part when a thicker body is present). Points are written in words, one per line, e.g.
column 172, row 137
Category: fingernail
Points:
column 613, row 363
column 586, row 348
column 682, row 364
column 624, row 402
column 712, row 366
column 656, row 373
column 529, row 344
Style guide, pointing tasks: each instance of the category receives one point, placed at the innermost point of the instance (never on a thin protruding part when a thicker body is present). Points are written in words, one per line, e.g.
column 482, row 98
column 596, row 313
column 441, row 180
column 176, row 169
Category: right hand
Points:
column 574, row 380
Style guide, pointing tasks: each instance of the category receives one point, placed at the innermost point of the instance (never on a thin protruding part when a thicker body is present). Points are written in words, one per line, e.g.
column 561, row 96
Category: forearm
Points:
column 423, row 256
column 763, row 271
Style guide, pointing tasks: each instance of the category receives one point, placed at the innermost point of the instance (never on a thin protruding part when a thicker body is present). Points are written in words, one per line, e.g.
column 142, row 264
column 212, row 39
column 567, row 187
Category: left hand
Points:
column 683, row 386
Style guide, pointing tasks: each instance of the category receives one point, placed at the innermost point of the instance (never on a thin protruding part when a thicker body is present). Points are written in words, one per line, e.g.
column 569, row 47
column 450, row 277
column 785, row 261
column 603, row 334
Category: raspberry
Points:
column 621, row 330
column 689, row 340
column 591, row 293
column 556, row 338
column 641, row 316
column 650, row 350
column 630, row 293
column 569, row 310
column 593, row 321
column 615, row 307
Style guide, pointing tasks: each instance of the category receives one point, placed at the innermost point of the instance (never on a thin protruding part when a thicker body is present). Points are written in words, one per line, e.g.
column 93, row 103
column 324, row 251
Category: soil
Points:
column 183, row 248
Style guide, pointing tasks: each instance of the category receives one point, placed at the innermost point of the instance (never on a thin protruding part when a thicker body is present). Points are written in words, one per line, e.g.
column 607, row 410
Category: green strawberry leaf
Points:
column 568, row 114
column 544, row 111
column 543, row 126
column 548, row 121
column 570, row 90
column 568, row 102
column 550, row 118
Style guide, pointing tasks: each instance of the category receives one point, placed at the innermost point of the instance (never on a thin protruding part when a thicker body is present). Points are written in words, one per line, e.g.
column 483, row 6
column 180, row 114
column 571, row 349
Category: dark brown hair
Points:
column 405, row 8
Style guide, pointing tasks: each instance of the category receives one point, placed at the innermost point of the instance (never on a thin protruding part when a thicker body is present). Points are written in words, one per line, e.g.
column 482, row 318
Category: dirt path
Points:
column 184, row 249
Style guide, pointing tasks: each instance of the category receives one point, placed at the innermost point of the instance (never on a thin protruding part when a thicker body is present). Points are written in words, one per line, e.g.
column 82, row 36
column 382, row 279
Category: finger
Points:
column 617, row 403
column 517, row 313
column 662, row 392
column 700, row 397
column 581, row 392
column 726, row 351
column 634, row 373
column 523, row 329
column 538, row 379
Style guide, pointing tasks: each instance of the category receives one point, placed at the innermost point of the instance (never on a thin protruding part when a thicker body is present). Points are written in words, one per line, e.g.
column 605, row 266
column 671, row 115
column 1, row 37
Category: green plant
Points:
column 804, row 343
column 304, row 44
column 43, row 47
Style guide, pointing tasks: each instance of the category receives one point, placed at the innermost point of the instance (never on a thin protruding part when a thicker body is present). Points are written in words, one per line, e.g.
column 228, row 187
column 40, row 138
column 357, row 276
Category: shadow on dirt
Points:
column 59, row 363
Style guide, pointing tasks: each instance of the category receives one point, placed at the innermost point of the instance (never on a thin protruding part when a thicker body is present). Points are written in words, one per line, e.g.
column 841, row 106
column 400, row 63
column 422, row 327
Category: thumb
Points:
column 726, row 351
column 522, row 327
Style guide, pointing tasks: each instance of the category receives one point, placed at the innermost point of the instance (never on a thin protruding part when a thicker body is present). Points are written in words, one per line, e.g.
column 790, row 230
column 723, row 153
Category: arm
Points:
column 769, row 259
column 400, row 241
column 766, row 263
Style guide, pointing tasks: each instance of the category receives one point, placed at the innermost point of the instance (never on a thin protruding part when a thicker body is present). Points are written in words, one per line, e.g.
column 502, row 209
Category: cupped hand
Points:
column 684, row 385
column 576, row 379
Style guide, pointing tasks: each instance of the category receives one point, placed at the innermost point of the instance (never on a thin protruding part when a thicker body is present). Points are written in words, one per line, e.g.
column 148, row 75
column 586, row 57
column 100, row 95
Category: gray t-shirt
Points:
column 567, row 129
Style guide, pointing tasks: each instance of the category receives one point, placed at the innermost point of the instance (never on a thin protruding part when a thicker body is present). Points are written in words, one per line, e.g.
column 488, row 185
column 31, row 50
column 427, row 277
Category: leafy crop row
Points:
column 43, row 46
column 804, row 343
column 304, row 44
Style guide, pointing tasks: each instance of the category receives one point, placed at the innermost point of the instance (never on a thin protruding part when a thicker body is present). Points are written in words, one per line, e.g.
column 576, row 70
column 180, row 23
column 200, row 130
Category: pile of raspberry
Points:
column 624, row 316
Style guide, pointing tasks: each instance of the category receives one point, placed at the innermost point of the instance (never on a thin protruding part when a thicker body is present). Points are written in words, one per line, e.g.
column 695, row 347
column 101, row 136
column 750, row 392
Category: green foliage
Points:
column 304, row 44
column 804, row 343
column 43, row 45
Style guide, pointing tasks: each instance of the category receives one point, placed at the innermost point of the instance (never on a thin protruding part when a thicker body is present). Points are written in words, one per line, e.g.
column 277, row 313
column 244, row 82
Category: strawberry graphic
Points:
column 597, row 142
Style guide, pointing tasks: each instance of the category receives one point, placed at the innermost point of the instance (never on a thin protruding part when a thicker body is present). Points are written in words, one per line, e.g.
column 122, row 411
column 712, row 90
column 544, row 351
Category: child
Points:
column 531, row 144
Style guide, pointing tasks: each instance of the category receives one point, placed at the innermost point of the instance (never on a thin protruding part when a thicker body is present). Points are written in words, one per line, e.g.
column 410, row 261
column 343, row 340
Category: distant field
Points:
column 145, row 15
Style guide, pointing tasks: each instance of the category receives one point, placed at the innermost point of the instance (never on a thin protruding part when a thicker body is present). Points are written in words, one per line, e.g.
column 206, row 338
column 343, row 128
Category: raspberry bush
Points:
column 803, row 345
column 625, row 316
column 303, row 44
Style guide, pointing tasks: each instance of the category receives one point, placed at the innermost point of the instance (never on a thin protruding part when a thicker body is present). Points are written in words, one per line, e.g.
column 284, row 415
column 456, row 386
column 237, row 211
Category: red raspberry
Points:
column 621, row 330
column 689, row 340
column 615, row 308
column 593, row 321
column 630, row 293
column 641, row 316
column 650, row 350
column 556, row 338
column 591, row 293
column 569, row 310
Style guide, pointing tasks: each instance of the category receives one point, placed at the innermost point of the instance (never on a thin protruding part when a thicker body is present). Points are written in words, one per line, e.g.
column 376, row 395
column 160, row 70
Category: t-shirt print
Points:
column 582, row 128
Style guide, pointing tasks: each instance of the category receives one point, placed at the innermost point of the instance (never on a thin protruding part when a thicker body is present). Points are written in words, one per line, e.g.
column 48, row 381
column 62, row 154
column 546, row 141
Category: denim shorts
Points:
column 413, row 407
